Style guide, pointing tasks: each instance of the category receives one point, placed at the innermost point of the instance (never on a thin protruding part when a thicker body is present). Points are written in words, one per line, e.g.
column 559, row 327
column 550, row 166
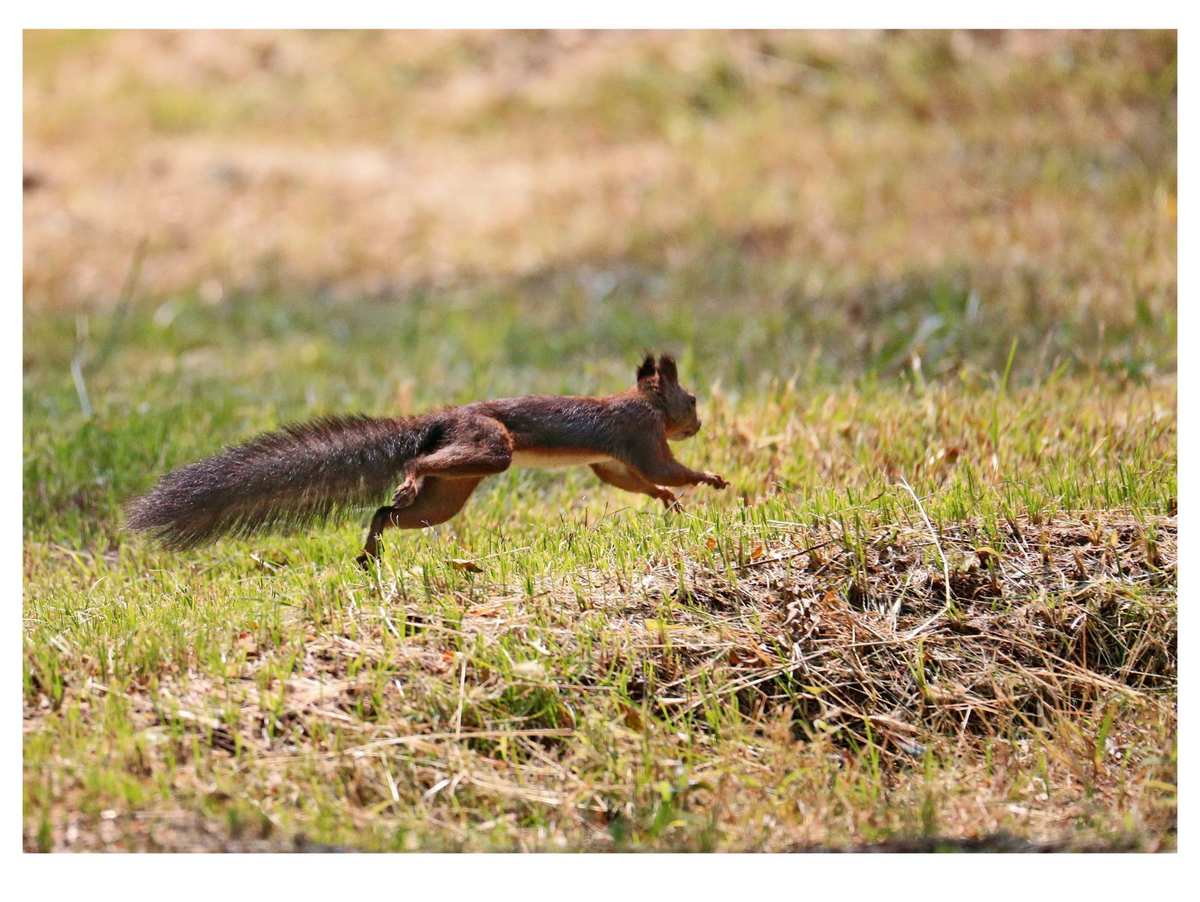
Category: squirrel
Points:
column 307, row 473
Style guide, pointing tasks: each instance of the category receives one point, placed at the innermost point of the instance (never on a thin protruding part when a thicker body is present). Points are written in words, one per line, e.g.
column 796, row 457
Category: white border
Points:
column 597, row 876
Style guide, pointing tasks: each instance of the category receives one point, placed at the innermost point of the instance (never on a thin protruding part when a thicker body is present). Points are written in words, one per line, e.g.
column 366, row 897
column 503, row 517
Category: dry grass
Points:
column 810, row 696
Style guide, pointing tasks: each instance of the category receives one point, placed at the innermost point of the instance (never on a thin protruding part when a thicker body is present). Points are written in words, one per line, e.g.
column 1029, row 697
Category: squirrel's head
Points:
column 659, row 383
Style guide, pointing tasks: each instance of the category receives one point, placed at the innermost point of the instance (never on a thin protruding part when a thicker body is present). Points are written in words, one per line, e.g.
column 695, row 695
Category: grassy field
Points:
column 923, row 284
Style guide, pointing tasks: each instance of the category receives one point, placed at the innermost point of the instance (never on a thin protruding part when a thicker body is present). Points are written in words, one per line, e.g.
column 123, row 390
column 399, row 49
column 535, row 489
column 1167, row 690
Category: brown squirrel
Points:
column 306, row 473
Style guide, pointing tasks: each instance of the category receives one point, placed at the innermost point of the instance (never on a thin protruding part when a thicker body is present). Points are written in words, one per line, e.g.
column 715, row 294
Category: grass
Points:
column 275, row 662
column 815, row 657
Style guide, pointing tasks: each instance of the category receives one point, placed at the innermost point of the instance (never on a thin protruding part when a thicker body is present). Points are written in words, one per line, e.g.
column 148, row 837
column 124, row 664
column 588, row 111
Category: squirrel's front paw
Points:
column 670, row 502
column 715, row 481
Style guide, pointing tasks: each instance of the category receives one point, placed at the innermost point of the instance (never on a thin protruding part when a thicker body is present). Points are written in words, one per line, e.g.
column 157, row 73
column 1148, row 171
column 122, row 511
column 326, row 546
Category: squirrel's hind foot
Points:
column 406, row 492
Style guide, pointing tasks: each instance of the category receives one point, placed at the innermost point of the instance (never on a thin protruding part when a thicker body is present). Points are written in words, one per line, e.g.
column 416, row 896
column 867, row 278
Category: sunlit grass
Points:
column 121, row 635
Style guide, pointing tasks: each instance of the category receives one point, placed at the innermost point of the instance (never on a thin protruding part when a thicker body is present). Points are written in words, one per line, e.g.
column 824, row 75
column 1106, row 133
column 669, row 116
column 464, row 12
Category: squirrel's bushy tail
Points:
column 300, row 475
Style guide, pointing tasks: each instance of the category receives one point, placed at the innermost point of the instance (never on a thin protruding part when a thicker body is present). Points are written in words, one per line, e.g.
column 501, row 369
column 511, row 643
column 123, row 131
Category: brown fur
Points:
column 308, row 472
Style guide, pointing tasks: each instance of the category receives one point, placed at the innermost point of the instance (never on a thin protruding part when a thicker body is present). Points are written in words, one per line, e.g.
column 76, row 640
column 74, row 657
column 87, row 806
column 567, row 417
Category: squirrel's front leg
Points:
column 654, row 461
column 631, row 481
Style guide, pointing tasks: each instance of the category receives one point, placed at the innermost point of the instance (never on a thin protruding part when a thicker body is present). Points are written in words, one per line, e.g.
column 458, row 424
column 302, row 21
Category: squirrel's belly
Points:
column 556, row 457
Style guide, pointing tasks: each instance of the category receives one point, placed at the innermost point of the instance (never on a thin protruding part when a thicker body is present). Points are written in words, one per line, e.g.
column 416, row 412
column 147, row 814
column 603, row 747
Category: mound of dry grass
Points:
column 868, row 643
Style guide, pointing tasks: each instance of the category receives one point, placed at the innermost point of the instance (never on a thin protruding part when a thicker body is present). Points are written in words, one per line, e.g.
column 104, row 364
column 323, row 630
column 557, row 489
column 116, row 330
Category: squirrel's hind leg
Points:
column 475, row 447
column 438, row 500
column 379, row 522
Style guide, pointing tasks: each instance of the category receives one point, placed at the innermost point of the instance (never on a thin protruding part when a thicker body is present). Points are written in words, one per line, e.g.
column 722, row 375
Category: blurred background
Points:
column 806, row 180
column 234, row 228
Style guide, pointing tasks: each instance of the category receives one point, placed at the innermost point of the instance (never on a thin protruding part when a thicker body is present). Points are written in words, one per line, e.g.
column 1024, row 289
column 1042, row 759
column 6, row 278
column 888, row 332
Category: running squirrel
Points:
column 305, row 474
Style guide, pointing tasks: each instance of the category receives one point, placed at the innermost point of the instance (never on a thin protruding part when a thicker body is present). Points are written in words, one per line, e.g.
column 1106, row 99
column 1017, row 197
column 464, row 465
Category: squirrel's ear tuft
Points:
column 666, row 366
column 646, row 370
